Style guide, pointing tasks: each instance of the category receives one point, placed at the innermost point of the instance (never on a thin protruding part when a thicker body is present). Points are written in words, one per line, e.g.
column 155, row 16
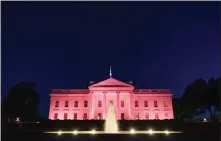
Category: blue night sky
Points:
column 67, row 44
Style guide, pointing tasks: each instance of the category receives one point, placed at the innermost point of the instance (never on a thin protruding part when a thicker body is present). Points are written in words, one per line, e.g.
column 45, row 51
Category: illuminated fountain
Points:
column 111, row 124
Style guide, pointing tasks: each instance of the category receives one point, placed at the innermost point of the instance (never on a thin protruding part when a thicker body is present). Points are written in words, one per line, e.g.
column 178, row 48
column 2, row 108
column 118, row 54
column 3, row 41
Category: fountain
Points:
column 111, row 124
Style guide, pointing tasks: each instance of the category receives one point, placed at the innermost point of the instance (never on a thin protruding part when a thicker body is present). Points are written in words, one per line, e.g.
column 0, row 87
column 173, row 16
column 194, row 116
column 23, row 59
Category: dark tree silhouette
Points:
column 22, row 101
column 201, row 95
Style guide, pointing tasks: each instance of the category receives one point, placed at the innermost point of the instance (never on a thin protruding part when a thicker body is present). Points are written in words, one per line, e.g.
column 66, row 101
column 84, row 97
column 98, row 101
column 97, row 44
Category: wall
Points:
column 105, row 97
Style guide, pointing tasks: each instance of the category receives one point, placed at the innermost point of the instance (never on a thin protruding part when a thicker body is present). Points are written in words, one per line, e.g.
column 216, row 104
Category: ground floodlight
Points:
column 132, row 131
column 93, row 131
column 59, row 132
column 75, row 132
column 166, row 132
column 150, row 131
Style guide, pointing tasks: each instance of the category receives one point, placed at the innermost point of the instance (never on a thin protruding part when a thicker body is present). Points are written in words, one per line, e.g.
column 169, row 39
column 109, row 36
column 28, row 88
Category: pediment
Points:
column 111, row 82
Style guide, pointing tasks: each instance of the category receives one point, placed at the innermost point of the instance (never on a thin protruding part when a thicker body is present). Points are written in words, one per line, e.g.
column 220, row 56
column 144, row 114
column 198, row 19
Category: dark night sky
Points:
column 65, row 45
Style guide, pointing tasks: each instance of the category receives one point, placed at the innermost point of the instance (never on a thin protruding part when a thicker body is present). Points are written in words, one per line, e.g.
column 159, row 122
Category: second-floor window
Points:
column 145, row 103
column 155, row 103
column 85, row 103
column 56, row 103
column 99, row 103
column 76, row 104
column 66, row 104
column 122, row 103
column 136, row 103
column 165, row 103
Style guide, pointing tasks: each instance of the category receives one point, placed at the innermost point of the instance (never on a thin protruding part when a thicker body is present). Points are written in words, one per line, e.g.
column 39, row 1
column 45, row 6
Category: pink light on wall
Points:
column 93, row 103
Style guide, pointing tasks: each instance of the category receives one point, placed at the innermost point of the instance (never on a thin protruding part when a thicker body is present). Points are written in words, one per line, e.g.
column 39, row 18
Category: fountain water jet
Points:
column 111, row 124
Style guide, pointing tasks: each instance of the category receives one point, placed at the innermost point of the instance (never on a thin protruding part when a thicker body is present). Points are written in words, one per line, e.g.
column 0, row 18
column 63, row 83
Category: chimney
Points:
column 92, row 82
column 130, row 82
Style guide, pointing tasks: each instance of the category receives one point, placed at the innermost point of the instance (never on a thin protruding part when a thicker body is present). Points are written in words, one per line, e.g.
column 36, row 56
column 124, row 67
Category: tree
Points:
column 176, row 108
column 22, row 101
column 212, row 97
column 201, row 95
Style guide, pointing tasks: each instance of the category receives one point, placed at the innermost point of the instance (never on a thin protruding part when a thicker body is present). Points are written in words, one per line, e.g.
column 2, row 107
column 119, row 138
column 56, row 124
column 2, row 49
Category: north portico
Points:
column 93, row 103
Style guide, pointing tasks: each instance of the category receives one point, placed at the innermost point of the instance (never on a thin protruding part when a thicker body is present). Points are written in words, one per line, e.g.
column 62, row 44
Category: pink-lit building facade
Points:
column 93, row 103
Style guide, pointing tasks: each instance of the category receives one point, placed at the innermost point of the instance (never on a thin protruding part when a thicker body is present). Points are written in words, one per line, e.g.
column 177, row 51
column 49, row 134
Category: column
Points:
column 118, row 107
column 91, row 106
column 105, row 109
column 132, row 106
column 129, row 110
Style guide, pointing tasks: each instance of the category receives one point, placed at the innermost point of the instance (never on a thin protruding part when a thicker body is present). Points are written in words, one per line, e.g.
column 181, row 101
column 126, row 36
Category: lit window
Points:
column 155, row 103
column 99, row 103
column 65, row 116
column 122, row 116
column 147, row 116
column 122, row 103
column 156, row 116
column 145, row 103
column 85, row 116
column 137, row 116
column 85, row 103
column 56, row 103
column 99, row 116
column 136, row 103
column 76, row 104
column 165, row 103
column 66, row 104
column 55, row 116
column 75, row 116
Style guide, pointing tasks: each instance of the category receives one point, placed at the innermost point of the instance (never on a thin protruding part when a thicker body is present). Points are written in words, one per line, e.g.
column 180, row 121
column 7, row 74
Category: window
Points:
column 166, row 115
column 165, row 103
column 65, row 116
column 136, row 103
column 137, row 116
column 66, row 104
column 145, row 103
column 56, row 103
column 155, row 103
column 122, row 116
column 99, row 116
column 122, row 103
column 156, row 116
column 99, row 103
column 85, row 103
column 76, row 104
column 85, row 116
column 147, row 116
column 55, row 116
column 75, row 116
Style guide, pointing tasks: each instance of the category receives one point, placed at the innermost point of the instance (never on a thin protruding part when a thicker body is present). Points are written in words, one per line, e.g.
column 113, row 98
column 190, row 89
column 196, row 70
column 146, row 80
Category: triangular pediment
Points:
column 111, row 82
